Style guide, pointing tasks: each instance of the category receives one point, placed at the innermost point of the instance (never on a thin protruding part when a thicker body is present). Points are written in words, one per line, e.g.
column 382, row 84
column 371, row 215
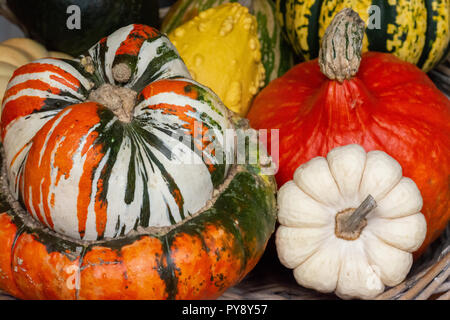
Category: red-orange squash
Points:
column 387, row 105
column 111, row 189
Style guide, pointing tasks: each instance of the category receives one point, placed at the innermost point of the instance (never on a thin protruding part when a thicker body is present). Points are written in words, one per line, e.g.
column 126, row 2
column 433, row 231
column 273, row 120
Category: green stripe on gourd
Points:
column 437, row 35
column 414, row 30
column 377, row 36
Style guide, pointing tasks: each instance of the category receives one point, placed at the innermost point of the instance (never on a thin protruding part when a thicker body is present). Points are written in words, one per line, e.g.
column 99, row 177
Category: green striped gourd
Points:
column 414, row 30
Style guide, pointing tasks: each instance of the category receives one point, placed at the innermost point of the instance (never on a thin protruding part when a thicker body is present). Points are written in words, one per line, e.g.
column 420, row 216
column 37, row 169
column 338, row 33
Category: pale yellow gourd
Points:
column 6, row 69
column 221, row 49
column 59, row 55
column 16, row 52
column 34, row 49
column 13, row 56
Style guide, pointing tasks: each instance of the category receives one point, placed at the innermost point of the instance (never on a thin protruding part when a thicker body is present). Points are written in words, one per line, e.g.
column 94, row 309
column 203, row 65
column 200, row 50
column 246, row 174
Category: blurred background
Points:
column 8, row 30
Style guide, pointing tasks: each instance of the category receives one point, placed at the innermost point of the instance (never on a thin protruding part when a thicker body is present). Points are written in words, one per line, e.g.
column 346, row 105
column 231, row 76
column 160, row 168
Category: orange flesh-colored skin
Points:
column 25, row 105
column 225, row 268
column 205, row 265
column 8, row 232
column 133, row 43
column 142, row 260
column 193, row 275
column 98, row 264
column 40, row 274
column 132, row 272
column 390, row 105
column 213, row 270
column 93, row 156
column 66, row 140
column 28, row 271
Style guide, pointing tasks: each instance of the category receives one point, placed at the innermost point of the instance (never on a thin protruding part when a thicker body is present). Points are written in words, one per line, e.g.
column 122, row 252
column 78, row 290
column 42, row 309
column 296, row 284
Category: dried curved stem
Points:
column 340, row 51
column 120, row 100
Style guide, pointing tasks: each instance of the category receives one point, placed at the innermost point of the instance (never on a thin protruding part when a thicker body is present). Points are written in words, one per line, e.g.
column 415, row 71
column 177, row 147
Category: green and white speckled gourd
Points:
column 416, row 31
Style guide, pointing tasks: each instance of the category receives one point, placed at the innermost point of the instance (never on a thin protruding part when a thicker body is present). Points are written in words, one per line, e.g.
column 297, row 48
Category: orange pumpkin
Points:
column 374, row 100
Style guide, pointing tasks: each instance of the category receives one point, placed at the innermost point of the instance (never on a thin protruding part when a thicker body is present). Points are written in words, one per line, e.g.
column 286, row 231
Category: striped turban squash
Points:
column 112, row 184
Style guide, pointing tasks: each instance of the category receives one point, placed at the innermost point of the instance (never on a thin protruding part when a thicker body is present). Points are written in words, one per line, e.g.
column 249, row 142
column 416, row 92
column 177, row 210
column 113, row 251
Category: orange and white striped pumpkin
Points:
column 111, row 204
column 67, row 157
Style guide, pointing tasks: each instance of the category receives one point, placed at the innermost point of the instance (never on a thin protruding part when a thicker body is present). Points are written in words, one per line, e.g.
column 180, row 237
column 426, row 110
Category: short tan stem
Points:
column 354, row 220
column 88, row 64
column 119, row 100
column 121, row 72
column 351, row 222
column 340, row 51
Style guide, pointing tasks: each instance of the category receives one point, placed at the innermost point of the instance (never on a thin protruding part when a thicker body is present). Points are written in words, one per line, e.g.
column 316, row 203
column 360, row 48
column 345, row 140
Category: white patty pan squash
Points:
column 349, row 223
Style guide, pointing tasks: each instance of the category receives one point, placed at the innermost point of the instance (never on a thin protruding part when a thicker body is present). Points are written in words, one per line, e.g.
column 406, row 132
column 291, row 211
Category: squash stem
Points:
column 340, row 51
column 120, row 100
column 121, row 72
column 351, row 222
column 354, row 220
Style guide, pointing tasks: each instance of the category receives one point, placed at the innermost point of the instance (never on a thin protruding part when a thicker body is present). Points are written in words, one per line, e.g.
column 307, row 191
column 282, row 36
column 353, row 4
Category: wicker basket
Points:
column 428, row 279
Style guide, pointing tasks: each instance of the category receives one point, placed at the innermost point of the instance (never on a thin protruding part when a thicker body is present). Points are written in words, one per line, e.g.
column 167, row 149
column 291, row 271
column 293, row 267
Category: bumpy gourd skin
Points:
column 277, row 56
column 221, row 50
